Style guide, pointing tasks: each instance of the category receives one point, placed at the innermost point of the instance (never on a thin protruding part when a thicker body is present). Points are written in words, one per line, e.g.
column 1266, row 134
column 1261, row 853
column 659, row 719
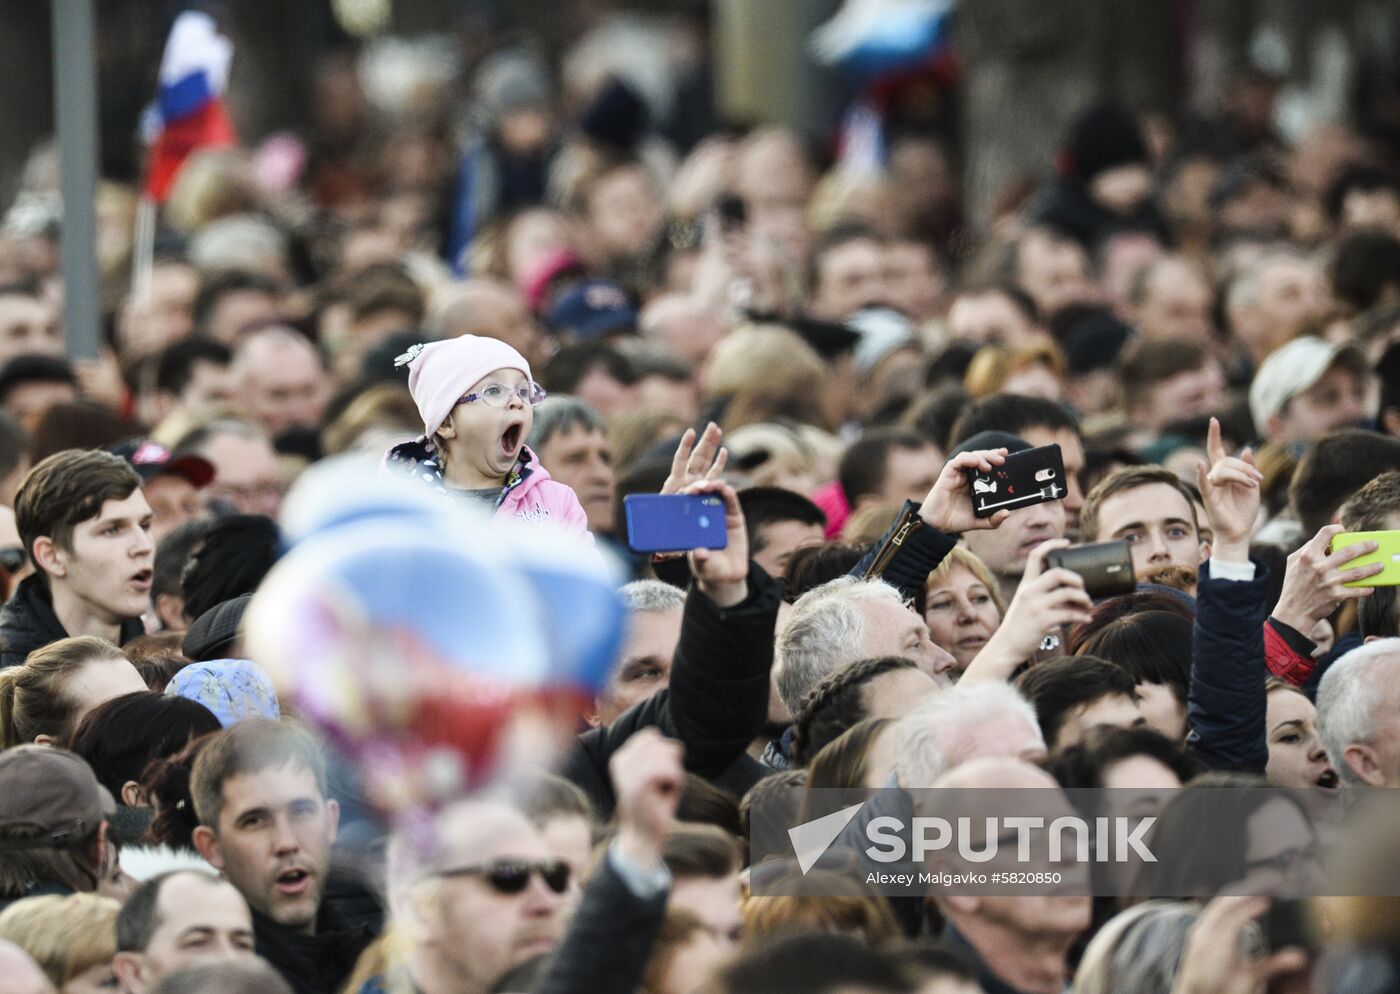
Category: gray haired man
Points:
column 654, row 611
column 1358, row 714
column 572, row 444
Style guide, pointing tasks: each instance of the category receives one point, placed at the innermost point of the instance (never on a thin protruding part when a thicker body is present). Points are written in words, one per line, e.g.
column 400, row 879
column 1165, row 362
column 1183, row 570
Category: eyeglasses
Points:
column 1293, row 865
column 512, row 876
column 499, row 395
column 12, row 559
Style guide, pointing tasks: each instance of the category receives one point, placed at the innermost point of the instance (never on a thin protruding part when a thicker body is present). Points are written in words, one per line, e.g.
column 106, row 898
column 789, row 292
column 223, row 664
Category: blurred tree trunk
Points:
column 277, row 45
column 763, row 70
column 1032, row 65
column 26, row 87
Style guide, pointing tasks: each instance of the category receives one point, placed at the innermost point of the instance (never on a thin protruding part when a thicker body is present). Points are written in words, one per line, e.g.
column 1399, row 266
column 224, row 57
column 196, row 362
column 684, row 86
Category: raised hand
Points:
column 1214, row 960
column 1312, row 581
column 948, row 506
column 1045, row 601
column 1230, row 489
column 648, row 777
column 723, row 574
column 694, row 461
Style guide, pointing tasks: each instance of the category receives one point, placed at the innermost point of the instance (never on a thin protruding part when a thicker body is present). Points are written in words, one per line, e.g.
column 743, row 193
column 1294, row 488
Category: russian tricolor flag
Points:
column 189, row 113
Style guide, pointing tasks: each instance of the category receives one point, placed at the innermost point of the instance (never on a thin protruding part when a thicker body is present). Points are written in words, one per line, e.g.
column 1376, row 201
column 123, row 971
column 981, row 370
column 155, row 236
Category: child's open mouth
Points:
column 510, row 439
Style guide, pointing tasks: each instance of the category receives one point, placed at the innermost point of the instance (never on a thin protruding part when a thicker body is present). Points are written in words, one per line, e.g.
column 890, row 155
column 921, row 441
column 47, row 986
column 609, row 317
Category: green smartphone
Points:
column 1388, row 553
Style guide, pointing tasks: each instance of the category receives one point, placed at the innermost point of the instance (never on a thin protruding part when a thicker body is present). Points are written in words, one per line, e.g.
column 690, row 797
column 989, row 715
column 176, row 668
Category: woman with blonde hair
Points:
column 764, row 371
column 72, row 938
column 962, row 605
column 1138, row 950
column 834, row 902
column 775, row 455
column 383, row 415
column 1036, row 371
column 43, row 700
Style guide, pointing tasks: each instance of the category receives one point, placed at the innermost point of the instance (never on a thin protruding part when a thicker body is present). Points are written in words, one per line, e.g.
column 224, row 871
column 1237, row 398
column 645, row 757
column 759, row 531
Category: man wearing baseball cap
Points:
column 1307, row 388
column 172, row 483
column 53, row 824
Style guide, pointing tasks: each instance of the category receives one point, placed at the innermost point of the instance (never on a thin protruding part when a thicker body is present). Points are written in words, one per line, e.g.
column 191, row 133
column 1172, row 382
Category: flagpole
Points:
column 143, row 249
column 75, row 107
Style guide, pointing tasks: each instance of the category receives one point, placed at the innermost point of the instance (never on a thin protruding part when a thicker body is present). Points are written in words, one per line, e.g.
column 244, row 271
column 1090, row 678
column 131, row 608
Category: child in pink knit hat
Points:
column 477, row 400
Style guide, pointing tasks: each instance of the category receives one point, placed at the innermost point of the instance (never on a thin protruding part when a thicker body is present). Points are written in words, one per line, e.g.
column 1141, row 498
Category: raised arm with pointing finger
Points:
column 1226, row 703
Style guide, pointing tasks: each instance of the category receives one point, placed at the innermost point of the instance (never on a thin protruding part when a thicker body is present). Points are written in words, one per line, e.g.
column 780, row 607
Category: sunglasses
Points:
column 512, row 876
column 12, row 558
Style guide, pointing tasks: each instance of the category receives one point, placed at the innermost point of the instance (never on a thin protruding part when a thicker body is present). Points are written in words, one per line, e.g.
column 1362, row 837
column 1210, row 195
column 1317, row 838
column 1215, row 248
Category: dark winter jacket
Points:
column 907, row 553
column 313, row 964
column 27, row 622
column 717, row 700
column 1066, row 205
column 1227, row 703
column 609, row 940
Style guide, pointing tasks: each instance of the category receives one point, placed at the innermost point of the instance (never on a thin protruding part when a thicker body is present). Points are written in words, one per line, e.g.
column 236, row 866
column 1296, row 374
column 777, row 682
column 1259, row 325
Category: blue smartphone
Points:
column 675, row 522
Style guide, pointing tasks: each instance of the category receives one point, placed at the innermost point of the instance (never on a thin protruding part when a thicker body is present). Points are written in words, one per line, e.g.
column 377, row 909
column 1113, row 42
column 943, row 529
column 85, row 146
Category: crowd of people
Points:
column 576, row 306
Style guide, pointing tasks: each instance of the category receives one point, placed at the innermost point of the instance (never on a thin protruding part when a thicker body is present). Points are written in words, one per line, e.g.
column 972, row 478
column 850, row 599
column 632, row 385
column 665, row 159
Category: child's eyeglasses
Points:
column 499, row 395
column 512, row 876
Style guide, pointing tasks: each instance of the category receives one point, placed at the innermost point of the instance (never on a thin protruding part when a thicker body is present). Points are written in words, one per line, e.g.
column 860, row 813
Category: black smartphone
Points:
column 1285, row 924
column 733, row 212
column 1028, row 477
column 1105, row 567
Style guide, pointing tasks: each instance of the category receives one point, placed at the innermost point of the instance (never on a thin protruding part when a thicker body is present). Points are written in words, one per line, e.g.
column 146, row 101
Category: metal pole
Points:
column 75, row 108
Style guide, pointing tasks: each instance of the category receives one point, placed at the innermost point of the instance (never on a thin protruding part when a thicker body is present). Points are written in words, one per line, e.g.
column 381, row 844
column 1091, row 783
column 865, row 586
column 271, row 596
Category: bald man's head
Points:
column 280, row 379
column 488, row 307
column 19, row 974
column 684, row 325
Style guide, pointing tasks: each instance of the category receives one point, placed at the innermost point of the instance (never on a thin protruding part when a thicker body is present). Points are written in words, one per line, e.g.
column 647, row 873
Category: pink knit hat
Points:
column 439, row 373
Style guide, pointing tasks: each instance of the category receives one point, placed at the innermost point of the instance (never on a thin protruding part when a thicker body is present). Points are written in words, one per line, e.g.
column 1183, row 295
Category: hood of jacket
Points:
column 142, row 862
column 419, row 460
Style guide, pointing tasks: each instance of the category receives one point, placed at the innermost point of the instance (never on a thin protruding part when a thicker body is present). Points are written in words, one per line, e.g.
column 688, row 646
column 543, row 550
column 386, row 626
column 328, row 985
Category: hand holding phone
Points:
column 1105, row 567
column 1386, row 555
column 1287, row 925
column 722, row 575
column 948, row 506
column 675, row 522
column 1318, row 579
column 1024, row 479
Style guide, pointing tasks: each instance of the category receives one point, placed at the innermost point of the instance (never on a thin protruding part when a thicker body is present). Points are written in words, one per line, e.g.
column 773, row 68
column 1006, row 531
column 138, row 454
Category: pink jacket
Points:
column 538, row 498
column 530, row 494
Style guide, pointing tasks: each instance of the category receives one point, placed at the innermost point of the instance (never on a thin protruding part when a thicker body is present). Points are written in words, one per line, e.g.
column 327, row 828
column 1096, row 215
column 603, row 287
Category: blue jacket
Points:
column 1227, row 705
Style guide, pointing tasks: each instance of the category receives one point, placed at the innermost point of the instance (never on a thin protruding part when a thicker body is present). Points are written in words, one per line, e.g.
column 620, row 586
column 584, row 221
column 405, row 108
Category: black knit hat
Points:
column 1091, row 335
column 214, row 632
column 1103, row 138
column 991, row 440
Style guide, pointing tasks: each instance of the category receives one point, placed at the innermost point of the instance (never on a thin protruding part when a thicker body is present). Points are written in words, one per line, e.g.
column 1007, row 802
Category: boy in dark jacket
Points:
column 85, row 523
